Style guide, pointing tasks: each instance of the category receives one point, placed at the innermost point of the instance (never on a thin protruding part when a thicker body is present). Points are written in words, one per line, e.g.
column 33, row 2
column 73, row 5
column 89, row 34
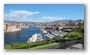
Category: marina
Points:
column 31, row 34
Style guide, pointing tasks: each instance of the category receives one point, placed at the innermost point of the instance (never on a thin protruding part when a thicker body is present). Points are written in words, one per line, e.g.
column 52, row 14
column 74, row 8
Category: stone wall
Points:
column 11, row 28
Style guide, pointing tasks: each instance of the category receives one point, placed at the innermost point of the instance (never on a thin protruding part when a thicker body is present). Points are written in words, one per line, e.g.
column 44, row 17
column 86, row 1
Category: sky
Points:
column 43, row 12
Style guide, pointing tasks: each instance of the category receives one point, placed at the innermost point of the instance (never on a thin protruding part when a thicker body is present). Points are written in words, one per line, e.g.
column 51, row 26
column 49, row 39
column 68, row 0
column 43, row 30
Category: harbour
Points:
column 56, row 26
column 21, row 36
column 31, row 34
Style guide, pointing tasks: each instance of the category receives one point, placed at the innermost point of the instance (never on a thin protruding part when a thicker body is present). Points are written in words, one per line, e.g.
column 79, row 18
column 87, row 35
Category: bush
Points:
column 73, row 36
column 80, row 29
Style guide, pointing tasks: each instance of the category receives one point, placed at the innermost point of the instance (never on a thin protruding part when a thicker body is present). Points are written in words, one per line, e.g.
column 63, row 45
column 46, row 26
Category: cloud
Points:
column 36, row 12
column 51, row 18
column 18, row 14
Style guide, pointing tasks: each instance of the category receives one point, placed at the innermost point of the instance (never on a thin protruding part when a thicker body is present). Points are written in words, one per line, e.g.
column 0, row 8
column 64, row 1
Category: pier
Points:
column 44, row 31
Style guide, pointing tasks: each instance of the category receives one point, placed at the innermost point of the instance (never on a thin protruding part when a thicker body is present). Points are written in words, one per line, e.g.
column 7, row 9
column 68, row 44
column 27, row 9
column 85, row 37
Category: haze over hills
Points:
column 42, row 22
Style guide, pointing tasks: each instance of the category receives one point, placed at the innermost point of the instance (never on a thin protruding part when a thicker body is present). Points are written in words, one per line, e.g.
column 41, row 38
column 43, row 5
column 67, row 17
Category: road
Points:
column 69, row 45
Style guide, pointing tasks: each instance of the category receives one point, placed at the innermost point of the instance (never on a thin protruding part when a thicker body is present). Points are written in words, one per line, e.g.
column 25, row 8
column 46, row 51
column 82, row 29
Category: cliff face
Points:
column 11, row 28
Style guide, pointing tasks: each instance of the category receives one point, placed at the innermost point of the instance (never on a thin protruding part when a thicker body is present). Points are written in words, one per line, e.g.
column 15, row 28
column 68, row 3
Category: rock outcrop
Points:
column 33, row 38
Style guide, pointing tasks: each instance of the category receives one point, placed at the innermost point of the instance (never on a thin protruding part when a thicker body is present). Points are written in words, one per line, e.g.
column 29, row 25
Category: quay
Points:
column 44, row 31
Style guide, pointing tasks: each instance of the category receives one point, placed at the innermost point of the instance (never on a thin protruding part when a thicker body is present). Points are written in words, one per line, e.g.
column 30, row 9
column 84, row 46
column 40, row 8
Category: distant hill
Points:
column 9, row 21
column 61, row 21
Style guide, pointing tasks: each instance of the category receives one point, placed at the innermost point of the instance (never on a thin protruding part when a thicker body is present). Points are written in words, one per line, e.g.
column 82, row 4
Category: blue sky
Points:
column 43, row 12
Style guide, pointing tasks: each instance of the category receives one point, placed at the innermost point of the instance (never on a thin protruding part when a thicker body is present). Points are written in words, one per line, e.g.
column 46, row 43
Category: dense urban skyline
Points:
column 43, row 12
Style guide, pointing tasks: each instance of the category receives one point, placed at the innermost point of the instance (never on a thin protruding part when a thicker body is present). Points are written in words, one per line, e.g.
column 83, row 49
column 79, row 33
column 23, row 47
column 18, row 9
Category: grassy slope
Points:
column 44, row 46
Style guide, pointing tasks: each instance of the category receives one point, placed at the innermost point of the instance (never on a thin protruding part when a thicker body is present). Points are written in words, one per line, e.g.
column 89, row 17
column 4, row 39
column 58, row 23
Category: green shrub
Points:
column 73, row 36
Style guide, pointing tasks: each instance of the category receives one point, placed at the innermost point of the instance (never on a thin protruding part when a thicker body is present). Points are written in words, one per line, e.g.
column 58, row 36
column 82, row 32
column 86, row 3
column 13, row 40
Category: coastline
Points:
column 12, row 30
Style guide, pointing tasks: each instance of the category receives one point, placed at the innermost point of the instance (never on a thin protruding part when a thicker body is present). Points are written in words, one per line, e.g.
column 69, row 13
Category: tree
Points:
column 57, row 28
column 72, row 36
